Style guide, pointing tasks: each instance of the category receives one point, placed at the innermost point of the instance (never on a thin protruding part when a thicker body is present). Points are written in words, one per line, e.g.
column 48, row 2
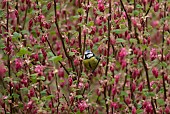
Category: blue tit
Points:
column 90, row 61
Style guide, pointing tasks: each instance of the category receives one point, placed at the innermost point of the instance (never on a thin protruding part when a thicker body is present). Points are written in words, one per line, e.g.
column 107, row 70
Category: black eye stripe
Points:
column 88, row 57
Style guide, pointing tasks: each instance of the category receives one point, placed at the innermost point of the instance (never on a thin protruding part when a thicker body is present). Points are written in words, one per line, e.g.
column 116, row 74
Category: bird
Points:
column 90, row 61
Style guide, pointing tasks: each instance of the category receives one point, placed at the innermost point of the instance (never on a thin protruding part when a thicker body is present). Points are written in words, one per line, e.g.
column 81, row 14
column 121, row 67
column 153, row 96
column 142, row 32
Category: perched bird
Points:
column 90, row 61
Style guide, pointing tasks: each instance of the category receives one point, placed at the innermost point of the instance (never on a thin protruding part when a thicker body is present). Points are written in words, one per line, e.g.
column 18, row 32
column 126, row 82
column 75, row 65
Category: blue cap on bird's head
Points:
column 88, row 54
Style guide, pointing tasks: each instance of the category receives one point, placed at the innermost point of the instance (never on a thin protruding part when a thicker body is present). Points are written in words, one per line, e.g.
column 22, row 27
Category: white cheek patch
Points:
column 90, row 55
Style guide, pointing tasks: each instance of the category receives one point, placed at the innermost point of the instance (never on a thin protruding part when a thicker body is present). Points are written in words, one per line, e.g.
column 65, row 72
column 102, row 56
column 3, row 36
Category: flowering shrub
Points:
column 42, row 45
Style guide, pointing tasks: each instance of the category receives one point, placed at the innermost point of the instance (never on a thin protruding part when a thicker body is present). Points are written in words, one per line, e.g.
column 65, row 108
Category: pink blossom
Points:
column 18, row 64
column 117, row 77
column 2, row 71
column 167, row 110
column 101, row 7
column 49, row 5
column 114, row 105
column 133, row 110
column 135, row 73
column 123, row 64
column 140, row 87
column 155, row 72
column 155, row 23
column 153, row 54
column 39, row 69
column 61, row 72
column 123, row 53
column 82, row 106
column 156, row 7
column 114, row 91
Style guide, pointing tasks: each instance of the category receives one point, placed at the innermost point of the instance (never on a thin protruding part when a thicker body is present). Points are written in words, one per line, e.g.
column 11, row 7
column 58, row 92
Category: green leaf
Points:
column 48, row 97
column 19, row 73
column 79, row 96
column 1, row 44
column 91, row 23
column 163, row 64
column 7, row 79
column 160, row 101
column 133, row 40
column 16, row 36
column 56, row 59
column 138, row 6
column 80, row 10
column 24, row 89
column 1, row 13
column 33, row 77
column 151, row 94
column 23, row 51
column 135, row 12
column 41, row 78
column 123, row 93
column 119, row 31
column 15, row 95
column 25, row 32
column 44, row 92
column 71, row 53
column 120, row 40
column 139, row 111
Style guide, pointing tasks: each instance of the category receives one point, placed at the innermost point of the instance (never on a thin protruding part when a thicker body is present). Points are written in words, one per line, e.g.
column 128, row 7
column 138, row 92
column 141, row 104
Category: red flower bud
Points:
column 156, row 7
column 61, row 72
column 155, row 72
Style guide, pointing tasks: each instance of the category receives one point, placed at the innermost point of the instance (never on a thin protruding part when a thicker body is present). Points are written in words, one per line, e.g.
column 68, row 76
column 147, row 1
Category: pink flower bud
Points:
column 141, row 85
column 61, row 72
column 98, row 92
column 93, row 31
column 122, row 54
column 153, row 54
column 144, row 2
column 82, row 106
column 155, row 23
column 117, row 77
column 18, row 64
column 32, row 92
column 101, row 7
column 2, row 71
column 76, row 62
column 167, row 110
column 133, row 87
column 112, row 67
column 127, row 100
column 114, row 105
column 62, row 84
column 135, row 73
column 155, row 72
column 114, row 91
column 133, row 110
column 100, row 31
column 70, row 81
column 135, row 61
column 112, row 41
column 95, row 39
column 123, row 64
column 156, row 7
column 49, row 5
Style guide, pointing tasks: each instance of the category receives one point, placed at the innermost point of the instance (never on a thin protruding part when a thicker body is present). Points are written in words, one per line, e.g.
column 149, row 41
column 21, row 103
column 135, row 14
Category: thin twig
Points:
column 149, row 8
column 128, row 18
column 61, row 37
column 107, row 62
column 8, row 53
column 148, row 82
column 162, row 59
